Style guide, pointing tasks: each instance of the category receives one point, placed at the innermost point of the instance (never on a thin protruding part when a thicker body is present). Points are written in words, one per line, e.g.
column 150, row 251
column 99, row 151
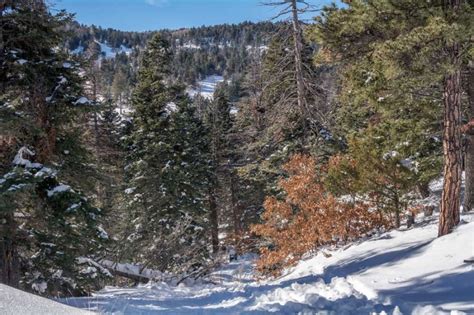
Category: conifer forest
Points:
column 320, row 161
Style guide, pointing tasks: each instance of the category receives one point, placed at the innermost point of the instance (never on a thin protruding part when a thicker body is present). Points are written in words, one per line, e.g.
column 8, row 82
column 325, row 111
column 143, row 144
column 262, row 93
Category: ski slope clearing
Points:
column 206, row 87
column 399, row 272
column 16, row 302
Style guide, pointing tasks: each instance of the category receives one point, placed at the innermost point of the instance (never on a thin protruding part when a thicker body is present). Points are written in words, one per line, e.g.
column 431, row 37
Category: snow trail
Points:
column 399, row 272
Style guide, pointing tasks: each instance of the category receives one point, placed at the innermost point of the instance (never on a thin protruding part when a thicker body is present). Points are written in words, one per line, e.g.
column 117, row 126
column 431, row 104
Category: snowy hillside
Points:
column 206, row 87
column 105, row 49
column 400, row 272
column 13, row 301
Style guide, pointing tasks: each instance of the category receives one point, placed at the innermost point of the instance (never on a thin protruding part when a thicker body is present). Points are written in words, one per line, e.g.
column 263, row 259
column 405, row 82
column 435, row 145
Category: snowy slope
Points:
column 412, row 269
column 106, row 50
column 400, row 272
column 206, row 87
column 16, row 302
column 110, row 52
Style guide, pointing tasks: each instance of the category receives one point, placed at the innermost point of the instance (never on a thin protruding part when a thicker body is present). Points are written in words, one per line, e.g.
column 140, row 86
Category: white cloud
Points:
column 157, row 3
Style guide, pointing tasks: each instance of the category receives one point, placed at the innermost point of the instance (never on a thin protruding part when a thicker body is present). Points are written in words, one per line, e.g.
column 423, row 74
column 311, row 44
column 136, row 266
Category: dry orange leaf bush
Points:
column 308, row 217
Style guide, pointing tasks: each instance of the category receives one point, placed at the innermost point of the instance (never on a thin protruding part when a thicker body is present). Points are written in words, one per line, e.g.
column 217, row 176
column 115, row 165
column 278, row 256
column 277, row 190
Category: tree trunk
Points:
column 450, row 199
column 9, row 262
column 235, row 209
column 424, row 190
column 96, row 119
column 298, row 47
column 214, row 221
column 469, row 155
column 397, row 212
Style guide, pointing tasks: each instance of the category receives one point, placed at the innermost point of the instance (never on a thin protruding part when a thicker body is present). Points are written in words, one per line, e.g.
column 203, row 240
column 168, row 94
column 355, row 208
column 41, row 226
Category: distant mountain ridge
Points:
column 198, row 51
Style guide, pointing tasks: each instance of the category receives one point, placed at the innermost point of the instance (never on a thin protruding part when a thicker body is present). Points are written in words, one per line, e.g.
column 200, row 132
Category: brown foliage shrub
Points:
column 308, row 217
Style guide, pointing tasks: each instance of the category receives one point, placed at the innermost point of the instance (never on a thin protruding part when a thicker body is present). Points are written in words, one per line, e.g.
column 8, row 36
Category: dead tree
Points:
column 308, row 88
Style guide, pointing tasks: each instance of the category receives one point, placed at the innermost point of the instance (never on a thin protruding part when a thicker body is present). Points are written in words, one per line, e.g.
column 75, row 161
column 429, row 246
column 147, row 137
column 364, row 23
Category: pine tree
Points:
column 169, row 170
column 218, row 120
column 56, row 243
column 50, row 232
column 396, row 67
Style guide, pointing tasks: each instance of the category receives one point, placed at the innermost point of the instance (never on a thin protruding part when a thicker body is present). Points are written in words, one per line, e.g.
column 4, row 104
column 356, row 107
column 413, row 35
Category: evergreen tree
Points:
column 396, row 70
column 49, row 231
column 169, row 170
column 218, row 120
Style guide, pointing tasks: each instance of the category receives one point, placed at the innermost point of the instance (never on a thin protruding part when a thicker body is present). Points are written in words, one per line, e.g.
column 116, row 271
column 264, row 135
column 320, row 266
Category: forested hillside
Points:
column 188, row 158
column 197, row 52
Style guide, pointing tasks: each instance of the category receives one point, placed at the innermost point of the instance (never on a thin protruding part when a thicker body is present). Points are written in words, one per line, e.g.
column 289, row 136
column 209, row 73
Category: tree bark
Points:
column 235, row 209
column 452, row 149
column 469, row 149
column 214, row 221
column 9, row 262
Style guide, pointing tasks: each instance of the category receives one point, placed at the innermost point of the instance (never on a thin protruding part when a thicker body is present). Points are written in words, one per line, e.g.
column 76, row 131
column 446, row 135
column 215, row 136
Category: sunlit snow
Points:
column 206, row 87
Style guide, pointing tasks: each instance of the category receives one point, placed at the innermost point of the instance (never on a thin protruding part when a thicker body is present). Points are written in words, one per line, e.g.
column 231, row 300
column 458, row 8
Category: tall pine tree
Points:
column 170, row 170
column 49, row 230
column 400, row 62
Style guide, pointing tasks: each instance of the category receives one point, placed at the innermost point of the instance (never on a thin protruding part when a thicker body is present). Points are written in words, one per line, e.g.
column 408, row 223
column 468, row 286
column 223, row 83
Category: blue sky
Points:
column 142, row 15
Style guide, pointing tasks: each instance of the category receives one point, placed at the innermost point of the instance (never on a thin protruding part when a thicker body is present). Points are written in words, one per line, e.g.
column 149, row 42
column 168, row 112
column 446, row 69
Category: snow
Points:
column 91, row 262
column 13, row 301
column 133, row 269
column 261, row 49
column 45, row 171
column 82, row 101
column 102, row 233
column 58, row 189
column 191, row 46
column 20, row 159
column 110, row 52
column 234, row 110
column 206, row 87
column 40, row 287
column 171, row 107
column 407, row 268
column 62, row 81
column 79, row 50
column 399, row 272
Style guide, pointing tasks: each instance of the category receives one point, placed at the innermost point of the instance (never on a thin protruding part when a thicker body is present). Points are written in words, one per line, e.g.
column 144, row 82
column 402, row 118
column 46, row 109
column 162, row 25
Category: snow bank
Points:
column 408, row 268
column 13, row 301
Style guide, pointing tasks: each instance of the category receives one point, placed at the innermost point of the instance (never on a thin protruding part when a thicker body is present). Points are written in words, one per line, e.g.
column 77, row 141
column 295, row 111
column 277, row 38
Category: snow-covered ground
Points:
column 16, row 302
column 206, row 87
column 106, row 50
column 110, row 52
column 399, row 272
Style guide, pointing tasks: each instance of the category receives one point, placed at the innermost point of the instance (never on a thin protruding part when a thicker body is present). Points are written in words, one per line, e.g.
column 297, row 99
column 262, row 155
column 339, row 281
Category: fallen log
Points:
column 130, row 271
column 134, row 277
